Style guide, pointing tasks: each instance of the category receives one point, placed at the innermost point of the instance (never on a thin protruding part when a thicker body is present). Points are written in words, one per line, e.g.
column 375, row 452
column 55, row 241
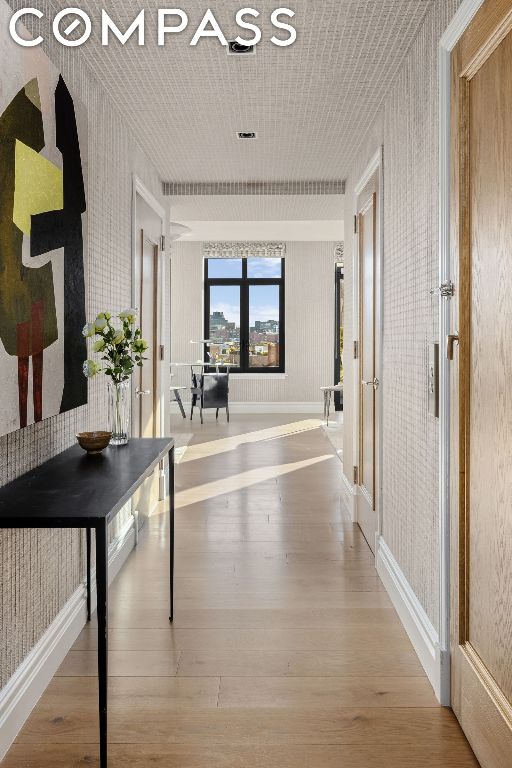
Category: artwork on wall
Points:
column 42, row 238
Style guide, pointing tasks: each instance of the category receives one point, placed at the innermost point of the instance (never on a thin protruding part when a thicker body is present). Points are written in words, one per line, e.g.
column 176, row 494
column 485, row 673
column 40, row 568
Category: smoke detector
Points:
column 240, row 49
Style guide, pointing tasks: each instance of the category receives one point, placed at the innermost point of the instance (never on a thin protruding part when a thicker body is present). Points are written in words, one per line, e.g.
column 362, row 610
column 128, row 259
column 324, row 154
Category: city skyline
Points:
column 263, row 303
column 264, row 326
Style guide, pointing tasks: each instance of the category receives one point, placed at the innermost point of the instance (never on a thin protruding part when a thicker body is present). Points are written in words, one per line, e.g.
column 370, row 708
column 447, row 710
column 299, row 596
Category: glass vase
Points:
column 119, row 399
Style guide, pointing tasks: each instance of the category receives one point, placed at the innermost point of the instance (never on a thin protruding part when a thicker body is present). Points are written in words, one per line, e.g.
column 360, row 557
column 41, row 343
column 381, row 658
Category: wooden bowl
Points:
column 94, row 442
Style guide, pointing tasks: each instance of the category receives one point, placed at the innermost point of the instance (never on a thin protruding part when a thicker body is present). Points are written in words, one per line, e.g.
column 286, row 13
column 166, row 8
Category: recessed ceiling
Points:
column 309, row 103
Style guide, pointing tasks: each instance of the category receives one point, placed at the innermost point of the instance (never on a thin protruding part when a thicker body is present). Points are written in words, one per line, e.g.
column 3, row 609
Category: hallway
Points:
column 285, row 650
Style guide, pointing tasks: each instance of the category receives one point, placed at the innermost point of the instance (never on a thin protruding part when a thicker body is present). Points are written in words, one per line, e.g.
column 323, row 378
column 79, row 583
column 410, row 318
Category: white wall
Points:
column 43, row 568
column 407, row 127
column 309, row 323
column 303, row 231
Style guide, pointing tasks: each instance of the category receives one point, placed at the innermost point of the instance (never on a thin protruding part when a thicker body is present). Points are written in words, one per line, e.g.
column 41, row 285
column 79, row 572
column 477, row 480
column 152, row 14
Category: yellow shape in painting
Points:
column 38, row 186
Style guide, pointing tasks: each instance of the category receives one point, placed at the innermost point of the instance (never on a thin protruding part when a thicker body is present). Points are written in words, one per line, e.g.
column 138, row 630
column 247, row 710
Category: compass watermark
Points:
column 72, row 27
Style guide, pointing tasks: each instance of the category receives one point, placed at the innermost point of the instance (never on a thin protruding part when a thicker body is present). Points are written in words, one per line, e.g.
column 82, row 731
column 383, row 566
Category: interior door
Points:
column 147, row 385
column 146, row 392
column 369, row 383
column 482, row 384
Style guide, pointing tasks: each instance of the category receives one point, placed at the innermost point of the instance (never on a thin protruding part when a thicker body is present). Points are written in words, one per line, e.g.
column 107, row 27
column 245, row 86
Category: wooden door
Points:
column 482, row 384
column 369, row 383
column 146, row 377
column 147, row 383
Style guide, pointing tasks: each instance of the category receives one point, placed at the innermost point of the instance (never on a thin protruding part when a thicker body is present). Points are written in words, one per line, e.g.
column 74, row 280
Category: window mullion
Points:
column 244, row 326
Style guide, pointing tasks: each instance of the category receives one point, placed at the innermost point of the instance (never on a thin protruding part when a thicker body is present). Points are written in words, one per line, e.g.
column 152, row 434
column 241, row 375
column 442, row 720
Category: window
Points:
column 244, row 313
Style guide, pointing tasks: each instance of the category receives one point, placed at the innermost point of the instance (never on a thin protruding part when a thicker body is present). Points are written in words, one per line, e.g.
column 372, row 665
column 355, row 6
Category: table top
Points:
column 77, row 490
column 333, row 388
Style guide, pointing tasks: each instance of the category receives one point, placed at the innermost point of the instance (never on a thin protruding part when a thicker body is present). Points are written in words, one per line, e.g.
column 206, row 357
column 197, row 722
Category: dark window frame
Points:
column 338, row 361
column 245, row 283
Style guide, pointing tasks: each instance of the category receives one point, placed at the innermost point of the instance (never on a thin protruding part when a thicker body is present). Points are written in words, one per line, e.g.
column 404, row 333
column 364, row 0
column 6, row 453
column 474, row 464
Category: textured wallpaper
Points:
column 309, row 289
column 408, row 128
column 39, row 570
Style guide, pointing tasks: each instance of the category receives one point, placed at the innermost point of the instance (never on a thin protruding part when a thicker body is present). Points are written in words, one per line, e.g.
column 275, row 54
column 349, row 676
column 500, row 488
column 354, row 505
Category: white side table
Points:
column 328, row 393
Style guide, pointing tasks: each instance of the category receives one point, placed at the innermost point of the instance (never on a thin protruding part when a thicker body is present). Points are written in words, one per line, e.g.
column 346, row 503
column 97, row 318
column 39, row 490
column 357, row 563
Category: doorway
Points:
column 480, row 350
column 339, row 324
column 149, row 382
column 368, row 304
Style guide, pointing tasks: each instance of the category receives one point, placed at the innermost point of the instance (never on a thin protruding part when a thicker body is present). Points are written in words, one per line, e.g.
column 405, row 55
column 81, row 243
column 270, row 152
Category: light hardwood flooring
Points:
column 285, row 651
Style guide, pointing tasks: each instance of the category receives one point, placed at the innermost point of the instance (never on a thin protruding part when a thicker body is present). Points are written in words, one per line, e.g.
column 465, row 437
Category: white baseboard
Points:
column 418, row 626
column 255, row 408
column 350, row 497
column 24, row 689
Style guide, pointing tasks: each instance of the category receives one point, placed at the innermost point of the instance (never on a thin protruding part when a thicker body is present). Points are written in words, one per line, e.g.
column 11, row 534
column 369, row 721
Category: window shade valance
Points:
column 244, row 250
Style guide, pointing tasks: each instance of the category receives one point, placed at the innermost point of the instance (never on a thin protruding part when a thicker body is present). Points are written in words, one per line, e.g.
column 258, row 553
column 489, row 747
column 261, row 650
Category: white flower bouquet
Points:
column 122, row 348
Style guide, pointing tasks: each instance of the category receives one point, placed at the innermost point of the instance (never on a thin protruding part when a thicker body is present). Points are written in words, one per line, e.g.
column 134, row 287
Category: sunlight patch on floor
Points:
column 334, row 433
column 243, row 480
column 214, row 447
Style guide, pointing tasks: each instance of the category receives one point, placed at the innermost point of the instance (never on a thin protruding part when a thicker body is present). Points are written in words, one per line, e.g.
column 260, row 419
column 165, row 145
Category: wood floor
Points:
column 285, row 651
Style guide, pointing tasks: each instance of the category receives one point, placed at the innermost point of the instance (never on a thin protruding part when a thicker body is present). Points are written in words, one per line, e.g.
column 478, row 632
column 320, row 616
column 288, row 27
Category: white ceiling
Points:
column 310, row 103
column 257, row 207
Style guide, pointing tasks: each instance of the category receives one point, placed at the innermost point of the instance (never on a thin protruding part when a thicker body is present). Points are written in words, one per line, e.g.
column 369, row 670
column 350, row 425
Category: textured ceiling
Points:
column 310, row 103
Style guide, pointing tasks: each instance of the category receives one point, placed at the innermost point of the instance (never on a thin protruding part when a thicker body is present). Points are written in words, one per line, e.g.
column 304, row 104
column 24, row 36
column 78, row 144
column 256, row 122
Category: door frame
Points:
column 163, row 371
column 375, row 166
column 448, row 42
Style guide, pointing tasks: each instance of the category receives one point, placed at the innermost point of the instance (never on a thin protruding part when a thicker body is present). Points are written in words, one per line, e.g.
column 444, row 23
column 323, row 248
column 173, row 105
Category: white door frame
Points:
column 449, row 40
column 138, row 188
column 375, row 165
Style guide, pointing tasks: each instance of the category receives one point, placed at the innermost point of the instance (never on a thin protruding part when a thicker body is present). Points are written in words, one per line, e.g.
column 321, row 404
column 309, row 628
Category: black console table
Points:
column 74, row 490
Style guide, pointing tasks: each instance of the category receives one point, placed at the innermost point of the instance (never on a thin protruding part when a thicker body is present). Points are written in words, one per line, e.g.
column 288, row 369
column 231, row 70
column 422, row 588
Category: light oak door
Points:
column 146, row 414
column 482, row 384
column 369, row 383
column 147, row 383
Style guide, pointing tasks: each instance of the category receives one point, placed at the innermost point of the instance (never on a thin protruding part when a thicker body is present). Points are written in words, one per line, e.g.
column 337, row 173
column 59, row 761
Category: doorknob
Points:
column 451, row 341
column 142, row 392
column 375, row 383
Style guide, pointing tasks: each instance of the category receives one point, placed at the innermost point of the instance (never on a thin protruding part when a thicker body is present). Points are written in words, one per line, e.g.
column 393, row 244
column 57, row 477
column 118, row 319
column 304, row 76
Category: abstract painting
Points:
column 42, row 238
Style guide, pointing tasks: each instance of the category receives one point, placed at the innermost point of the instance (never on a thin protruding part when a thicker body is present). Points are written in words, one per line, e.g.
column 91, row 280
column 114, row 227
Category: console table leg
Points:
column 102, row 592
column 171, row 533
column 88, row 565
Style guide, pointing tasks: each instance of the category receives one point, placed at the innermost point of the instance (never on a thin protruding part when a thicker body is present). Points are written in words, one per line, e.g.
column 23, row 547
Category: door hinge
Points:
column 356, row 475
column 162, row 352
column 356, row 350
column 446, row 290
column 355, row 225
column 162, row 243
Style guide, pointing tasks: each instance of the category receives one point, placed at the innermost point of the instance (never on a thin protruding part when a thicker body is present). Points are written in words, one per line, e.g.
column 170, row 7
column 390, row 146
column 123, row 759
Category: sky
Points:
column 263, row 299
column 263, row 302
column 256, row 267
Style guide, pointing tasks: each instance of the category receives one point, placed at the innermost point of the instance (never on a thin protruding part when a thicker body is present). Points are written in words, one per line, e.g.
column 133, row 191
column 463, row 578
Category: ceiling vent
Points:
column 239, row 49
column 247, row 135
